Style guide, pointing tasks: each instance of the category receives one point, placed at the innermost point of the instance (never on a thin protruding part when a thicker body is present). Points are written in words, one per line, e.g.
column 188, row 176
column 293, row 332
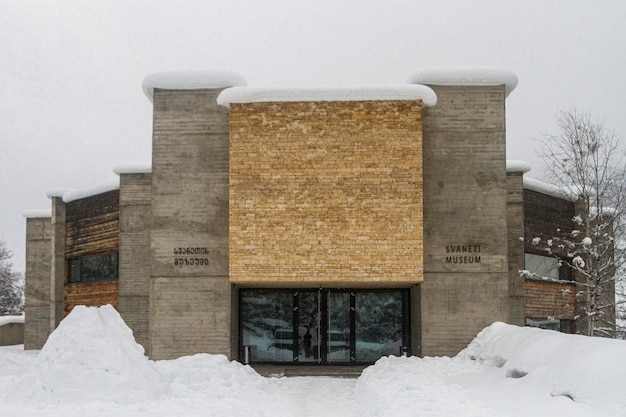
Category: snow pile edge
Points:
column 564, row 364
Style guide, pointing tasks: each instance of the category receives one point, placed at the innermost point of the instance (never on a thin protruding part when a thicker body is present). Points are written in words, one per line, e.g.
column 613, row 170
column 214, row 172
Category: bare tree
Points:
column 11, row 285
column 587, row 160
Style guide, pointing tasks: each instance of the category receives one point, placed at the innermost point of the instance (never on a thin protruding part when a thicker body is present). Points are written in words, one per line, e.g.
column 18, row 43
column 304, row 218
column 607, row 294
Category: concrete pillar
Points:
column 37, row 323
column 58, row 273
column 466, row 271
column 134, row 250
column 515, row 216
column 190, row 292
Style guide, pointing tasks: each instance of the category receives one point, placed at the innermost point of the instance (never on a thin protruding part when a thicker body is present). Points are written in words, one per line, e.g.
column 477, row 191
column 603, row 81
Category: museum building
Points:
column 309, row 226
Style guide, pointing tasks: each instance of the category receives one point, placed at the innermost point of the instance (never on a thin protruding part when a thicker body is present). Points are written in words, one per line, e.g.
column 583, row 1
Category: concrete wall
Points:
column 57, row 263
column 11, row 334
column 37, row 322
column 134, row 253
column 466, row 271
column 515, row 216
column 190, row 294
column 326, row 193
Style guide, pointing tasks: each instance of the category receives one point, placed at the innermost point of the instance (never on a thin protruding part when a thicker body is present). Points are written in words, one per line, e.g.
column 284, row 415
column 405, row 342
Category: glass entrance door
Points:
column 322, row 326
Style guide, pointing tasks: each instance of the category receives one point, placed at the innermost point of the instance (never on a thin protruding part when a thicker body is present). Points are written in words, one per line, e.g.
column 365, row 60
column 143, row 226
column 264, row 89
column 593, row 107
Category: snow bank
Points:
column 92, row 355
column 211, row 375
column 412, row 386
column 587, row 370
column 472, row 76
column 262, row 95
column 190, row 80
column 11, row 319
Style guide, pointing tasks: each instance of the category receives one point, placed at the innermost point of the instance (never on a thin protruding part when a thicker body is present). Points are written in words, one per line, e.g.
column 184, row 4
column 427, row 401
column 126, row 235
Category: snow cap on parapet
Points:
column 517, row 166
column 465, row 76
column 190, row 80
column 297, row 94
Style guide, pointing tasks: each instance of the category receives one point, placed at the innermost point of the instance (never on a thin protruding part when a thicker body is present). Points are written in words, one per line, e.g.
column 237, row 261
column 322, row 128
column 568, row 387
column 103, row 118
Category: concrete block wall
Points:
column 190, row 294
column 326, row 193
column 134, row 253
column 37, row 325
column 466, row 271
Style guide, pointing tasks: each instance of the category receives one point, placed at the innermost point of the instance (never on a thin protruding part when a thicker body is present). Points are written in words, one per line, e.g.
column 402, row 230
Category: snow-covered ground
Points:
column 92, row 366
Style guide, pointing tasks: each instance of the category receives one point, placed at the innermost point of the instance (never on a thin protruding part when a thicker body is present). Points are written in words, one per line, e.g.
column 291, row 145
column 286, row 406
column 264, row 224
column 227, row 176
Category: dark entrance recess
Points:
column 323, row 326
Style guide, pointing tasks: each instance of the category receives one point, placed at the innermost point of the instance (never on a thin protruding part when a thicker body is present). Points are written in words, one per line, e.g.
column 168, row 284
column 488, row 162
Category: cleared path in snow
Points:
column 317, row 396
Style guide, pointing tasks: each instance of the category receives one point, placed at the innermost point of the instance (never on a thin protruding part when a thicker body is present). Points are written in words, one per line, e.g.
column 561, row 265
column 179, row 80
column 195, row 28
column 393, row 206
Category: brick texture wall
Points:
column 326, row 192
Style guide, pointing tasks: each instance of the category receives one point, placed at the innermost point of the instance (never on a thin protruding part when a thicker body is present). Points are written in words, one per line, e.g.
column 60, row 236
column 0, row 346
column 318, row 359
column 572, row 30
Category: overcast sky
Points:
column 72, row 108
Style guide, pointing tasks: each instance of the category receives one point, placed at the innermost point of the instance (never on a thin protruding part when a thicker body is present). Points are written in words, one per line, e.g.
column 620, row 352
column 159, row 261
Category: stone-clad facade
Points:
column 305, row 226
column 326, row 193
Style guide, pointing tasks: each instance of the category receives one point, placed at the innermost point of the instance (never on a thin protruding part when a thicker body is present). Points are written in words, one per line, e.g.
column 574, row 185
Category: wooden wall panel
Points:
column 93, row 294
column 545, row 217
column 550, row 299
column 92, row 225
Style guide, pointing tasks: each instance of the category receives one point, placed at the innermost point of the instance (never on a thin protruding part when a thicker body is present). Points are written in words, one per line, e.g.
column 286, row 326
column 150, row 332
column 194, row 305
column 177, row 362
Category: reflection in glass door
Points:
column 338, row 332
column 379, row 325
column 267, row 325
column 323, row 326
column 309, row 326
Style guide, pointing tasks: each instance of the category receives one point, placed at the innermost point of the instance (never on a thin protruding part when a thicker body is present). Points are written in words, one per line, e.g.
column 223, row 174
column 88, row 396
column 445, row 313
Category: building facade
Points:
column 307, row 226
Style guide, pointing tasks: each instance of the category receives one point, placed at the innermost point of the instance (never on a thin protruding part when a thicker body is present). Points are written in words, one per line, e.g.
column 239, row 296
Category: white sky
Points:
column 72, row 108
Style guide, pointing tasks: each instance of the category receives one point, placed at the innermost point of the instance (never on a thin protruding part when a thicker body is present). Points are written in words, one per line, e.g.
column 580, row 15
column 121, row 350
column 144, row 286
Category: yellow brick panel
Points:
column 326, row 192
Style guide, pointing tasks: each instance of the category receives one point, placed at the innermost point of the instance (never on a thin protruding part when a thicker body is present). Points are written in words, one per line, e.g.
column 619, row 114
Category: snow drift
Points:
column 587, row 370
column 567, row 374
column 91, row 365
column 92, row 355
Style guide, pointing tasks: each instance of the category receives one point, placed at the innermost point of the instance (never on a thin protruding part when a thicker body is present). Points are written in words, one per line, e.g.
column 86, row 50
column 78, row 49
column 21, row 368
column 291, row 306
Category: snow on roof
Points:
column 91, row 191
column 11, row 319
column 472, row 76
column 549, row 189
column 59, row 192
column 37, row 214
column 517, row 166
column 260, row 95
column 137, row 168
column 190, row 80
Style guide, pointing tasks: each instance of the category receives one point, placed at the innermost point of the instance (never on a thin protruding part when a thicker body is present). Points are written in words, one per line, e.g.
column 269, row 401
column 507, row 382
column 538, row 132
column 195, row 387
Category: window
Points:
column 546, row 267
column 561, row 325
column 94, row 268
